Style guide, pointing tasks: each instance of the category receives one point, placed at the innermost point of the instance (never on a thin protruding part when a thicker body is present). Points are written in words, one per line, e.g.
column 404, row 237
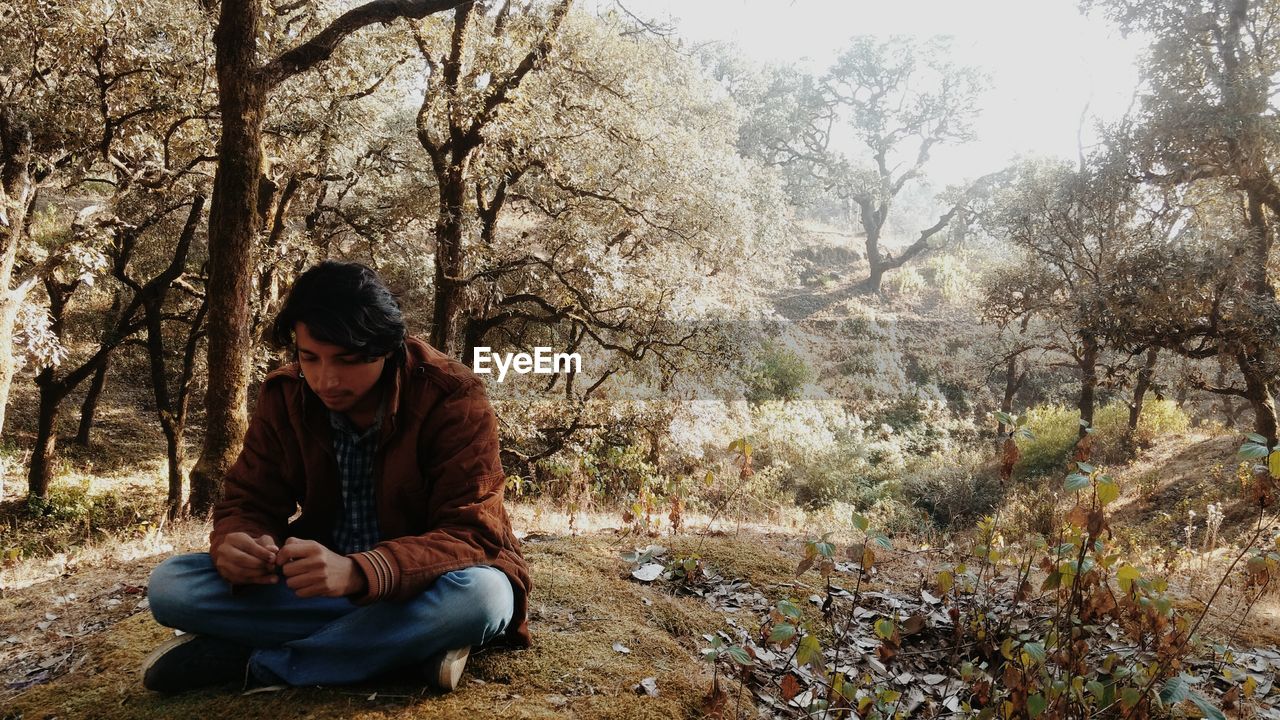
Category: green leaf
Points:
column 782, row 632
column 1075, row 481
column 1096, row 689
column 1126, row 575
column 884, row 628
column 860, row 521
column 810, row 653
column 1085, row 468
column 1035, row 705
column 739, row 654
column 1035, row 650
column 1206, row 707
column 1252, row 451
column 825, row 549
column 882, row 541
column 1107, row 493
column 789, row 609
column 1255, row 437
column 1130, row 697
column 1175, row 690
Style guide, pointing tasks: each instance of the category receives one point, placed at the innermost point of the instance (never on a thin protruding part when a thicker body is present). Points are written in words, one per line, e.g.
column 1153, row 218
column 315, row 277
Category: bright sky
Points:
column 1045, row 60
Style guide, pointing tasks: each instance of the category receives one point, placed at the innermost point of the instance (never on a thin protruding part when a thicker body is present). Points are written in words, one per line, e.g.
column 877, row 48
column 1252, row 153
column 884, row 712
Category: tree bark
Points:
column 233, row 229
column 40, row 471
column 1139, row 395
column 52, row 393
column 89, row 408
column 17, row 191
column 1258, row 389
column 243, row 88
column 1088, row 382
column 1012, row 383
column 449, row 285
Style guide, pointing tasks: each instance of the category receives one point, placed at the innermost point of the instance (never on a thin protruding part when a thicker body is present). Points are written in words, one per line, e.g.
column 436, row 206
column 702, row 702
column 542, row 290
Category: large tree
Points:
column 244, row 85
column 901, row 99
column 45, row 102
column 1206, row 123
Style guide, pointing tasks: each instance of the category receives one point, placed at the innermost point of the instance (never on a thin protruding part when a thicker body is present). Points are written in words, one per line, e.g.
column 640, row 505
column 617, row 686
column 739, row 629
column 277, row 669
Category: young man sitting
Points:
column 402, row 554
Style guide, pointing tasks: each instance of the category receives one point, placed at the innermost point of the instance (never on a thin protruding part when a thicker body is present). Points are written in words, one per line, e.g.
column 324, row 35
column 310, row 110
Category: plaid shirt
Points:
column 357, row 529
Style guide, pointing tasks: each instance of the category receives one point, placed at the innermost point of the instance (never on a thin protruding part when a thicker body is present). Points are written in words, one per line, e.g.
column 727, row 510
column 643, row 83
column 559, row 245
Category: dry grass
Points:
column 584, row 602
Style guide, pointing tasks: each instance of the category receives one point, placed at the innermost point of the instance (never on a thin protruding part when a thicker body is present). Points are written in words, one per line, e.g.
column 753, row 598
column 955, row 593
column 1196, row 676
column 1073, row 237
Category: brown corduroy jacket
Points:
column 439, row 480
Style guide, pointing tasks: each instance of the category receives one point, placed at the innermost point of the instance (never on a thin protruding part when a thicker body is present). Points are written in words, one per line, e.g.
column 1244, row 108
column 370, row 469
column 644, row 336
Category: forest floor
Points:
column 71, row 643
column 74, row 629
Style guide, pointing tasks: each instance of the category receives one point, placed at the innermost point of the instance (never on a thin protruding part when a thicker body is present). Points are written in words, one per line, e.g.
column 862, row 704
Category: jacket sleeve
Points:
column 465, row 513
column 255, row 497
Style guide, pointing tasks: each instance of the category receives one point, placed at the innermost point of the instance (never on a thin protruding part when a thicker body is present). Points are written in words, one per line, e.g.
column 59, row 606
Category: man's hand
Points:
column 313, row 570
column 245, row 560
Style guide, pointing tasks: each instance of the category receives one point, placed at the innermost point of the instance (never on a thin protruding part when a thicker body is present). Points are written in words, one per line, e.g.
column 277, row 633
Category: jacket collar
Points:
column 316, row 416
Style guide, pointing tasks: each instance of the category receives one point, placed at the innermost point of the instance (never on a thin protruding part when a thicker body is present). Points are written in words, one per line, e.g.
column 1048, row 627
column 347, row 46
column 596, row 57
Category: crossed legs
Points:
column 330, row 641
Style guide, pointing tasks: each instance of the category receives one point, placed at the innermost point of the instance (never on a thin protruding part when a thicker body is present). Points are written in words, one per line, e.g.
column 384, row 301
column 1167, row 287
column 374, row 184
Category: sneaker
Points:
column 445, row 670
column 188, row 662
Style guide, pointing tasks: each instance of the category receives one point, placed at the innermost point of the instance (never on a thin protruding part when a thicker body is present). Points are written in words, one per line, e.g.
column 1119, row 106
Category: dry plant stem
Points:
column 1146, row 689
column 853, row 607
column 1067, row 619
column 742, row 687
column 1023, row 575
column 720, row 509
column 1248, row 609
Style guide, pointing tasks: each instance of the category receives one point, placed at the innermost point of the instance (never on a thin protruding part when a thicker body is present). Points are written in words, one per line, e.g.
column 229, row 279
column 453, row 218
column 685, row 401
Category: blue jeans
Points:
column 330, row 641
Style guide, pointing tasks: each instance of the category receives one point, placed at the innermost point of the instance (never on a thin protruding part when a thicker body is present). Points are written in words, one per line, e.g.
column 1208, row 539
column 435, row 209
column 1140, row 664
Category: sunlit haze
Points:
column 1046, row 62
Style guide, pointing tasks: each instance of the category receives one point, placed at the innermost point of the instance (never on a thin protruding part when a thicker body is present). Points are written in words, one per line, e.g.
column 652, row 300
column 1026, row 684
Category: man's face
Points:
column 341, row 378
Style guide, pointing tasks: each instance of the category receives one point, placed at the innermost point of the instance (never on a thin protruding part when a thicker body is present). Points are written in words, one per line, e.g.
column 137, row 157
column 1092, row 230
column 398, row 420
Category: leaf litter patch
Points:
column 908, row 649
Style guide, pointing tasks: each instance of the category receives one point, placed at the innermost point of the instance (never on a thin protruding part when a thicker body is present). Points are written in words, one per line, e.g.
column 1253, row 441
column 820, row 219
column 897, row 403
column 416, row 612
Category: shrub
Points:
column 839, row 475
column 1055, row 430
column 953, row 488
column 1031, row 512
column 1158, row 418
column 779, row 374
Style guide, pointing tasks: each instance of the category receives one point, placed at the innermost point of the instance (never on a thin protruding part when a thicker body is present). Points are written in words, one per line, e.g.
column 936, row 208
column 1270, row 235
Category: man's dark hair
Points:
column 344, row 304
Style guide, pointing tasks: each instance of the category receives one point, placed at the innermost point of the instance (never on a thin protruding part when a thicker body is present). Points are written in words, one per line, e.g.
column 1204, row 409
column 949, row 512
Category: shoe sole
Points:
column 451, row 667
column 159, row 652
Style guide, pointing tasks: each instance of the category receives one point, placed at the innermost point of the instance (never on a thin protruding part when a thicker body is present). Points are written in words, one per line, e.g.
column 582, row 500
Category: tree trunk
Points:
column 1088, row 382
column 43, row 454
column 1139, row 395
column 871, row 285
column 1258, row 391
column 233, row 229
column 1012, row 383
column 89, row 407
column 1229, row 412
column 52, row 393
column 449, row 284
column 17, row 190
